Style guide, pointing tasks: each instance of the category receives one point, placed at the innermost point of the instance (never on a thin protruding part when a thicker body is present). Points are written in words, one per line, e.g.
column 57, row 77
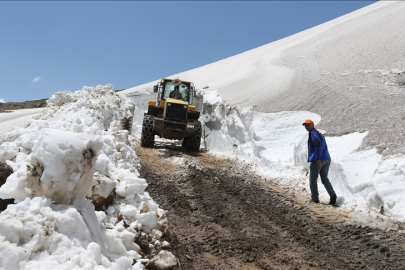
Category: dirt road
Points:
column 223, row 216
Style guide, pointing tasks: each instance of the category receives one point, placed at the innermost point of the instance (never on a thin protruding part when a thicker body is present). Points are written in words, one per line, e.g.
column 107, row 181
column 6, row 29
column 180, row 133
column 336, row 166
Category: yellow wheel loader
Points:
column 172, row 115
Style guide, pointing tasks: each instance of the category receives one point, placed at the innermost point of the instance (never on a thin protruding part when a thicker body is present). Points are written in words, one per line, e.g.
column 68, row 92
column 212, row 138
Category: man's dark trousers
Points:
column 323, row 170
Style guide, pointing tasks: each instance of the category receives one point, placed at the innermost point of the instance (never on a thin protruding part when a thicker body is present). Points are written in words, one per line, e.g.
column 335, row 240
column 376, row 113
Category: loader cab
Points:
column 185, row 90
column 176, row 89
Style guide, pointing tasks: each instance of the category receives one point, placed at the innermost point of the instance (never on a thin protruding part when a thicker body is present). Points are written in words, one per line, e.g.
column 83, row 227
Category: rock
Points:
column 401, row 78
column 5, row 172
column 142, row 240
column 152, row 251
column 158, row 245
column 165, row 260
column 165, row 245
column 157, row 234
column 163, row 224
column 143, row 208
column 103, row 191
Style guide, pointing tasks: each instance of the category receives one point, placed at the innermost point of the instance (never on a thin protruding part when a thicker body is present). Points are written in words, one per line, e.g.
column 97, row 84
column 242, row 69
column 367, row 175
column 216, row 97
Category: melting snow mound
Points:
column 60, row 167
column 55, row 159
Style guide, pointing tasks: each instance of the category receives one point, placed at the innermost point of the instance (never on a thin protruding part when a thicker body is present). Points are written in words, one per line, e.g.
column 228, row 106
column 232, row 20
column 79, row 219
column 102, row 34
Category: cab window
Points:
column 169, row 88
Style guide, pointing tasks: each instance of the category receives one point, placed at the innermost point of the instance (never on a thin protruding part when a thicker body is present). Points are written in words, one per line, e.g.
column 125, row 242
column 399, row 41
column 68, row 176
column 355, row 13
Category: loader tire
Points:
column 193, row 142
column 148, row 133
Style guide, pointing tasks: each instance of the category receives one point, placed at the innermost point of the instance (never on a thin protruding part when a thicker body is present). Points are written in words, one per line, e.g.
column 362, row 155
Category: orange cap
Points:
column 308, row 121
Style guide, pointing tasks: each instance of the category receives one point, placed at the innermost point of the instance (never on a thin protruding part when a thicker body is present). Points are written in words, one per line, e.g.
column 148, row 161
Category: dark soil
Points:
column 5, row 172
column 222, row 216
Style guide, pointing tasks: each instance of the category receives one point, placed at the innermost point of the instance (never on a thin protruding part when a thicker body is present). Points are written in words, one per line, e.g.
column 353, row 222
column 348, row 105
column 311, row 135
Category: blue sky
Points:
column 51, row 46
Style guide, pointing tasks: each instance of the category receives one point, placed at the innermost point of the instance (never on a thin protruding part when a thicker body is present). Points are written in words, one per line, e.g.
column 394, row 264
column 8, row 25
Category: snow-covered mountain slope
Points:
column 346, row 70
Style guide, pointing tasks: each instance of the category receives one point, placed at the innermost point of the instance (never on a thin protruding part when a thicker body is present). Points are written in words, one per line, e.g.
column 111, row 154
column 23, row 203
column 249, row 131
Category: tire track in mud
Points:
column 222, row 216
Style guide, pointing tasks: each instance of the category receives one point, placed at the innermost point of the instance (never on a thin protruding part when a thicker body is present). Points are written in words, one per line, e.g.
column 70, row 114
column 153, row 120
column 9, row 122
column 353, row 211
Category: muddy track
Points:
column 223, row 216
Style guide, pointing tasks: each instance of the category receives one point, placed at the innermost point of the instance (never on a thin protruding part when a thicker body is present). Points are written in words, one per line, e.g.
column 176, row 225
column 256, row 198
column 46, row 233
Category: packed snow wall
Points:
column 267, row 139
column 74, row 157
column 277, row 144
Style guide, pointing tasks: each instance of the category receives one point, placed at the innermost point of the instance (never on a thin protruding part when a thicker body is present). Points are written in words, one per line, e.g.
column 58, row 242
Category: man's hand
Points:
column 319, row 163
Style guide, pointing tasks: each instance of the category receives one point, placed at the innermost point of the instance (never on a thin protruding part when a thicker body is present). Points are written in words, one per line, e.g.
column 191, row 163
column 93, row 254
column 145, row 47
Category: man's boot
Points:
column 332, row 199
column 313, row 201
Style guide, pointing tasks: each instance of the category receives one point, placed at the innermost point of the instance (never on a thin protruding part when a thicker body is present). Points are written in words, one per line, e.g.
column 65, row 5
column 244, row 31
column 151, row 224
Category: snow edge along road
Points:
column 276, row 143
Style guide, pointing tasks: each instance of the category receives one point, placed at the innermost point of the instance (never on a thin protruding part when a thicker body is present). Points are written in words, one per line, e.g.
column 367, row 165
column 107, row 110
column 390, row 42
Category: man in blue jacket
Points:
column 320, row 160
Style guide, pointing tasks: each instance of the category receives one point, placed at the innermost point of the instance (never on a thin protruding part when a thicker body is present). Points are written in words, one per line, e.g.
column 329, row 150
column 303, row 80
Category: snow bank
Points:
column 362, row 177
column 277, row 144
column 41, row 235
column 55, row 159
column 267, row 139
